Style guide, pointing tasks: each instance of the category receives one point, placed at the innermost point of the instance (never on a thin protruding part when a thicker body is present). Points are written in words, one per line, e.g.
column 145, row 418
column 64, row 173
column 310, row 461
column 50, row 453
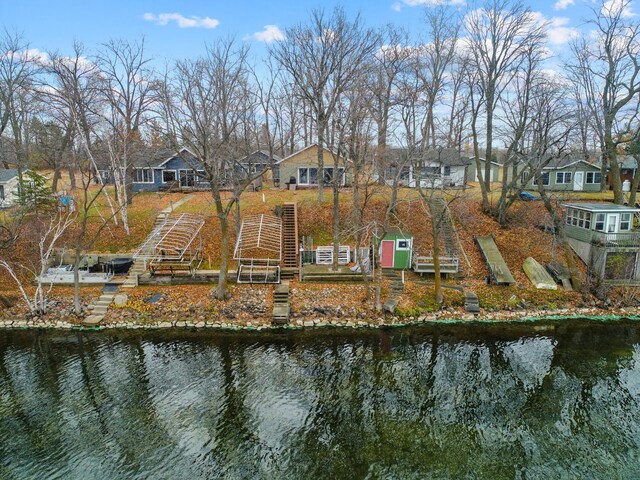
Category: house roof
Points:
column 566, row 162
column 161, row 157
column 482, row 159
column 7, row 174
column 601, row 207
column 446, row 156
column 629, row 161
column 307, row 148
column 259, row 155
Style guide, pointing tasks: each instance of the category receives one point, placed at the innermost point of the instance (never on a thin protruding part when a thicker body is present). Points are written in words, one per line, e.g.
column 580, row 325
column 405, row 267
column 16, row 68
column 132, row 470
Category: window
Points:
column 594, row 177
column 625, row 221
column 143, row 175
column 303, row 176
column 309, row 175
column 168, row 176
column 563, row 177
column 431, row 172
column 579, row 218
column 328, row 175
column 524, row 178
column 1, row 192
column 402, row 245
column 545, row 179
column 447, row 170
column 600, row 221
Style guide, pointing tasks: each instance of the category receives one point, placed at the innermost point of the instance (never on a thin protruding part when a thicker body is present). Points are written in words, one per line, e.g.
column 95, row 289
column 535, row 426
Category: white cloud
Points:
column 181, row 20
column 271, row 33
column 611, row 8
column 426, row 3
column 558, row 33
column 563, row 4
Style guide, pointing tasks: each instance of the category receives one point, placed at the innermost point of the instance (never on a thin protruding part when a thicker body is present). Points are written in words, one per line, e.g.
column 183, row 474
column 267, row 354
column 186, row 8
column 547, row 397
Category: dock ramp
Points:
column 498, row 269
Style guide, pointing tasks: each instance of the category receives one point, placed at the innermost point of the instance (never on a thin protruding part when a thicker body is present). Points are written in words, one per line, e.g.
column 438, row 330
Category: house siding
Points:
column 573, row 169
column 174, row 164
column 308, row 158
column 10, row 192
column 472, row 175
column 455, row 178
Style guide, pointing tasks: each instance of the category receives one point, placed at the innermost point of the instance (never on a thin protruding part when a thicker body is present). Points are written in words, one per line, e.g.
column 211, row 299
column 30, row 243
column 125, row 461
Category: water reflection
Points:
column 480, row 402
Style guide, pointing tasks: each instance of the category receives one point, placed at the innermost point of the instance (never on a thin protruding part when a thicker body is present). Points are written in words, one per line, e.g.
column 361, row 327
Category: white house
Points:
column 432, row 168
column 8, row 187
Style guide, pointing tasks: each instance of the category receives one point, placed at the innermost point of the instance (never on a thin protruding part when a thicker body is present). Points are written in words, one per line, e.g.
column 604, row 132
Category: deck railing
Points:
column 426, row 264
column 621, row 239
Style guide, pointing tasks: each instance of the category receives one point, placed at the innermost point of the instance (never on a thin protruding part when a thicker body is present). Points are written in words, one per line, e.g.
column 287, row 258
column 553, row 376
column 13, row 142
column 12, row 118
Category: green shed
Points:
column 395, row 250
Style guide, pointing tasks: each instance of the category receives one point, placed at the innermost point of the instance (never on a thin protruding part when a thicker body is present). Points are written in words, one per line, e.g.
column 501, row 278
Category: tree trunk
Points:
column 336, row 220
column 435, row 231
column 489, row 148
column 476, row 153
column 222, row 291
column 55, row 179
column 76, row 283
column 321, row 131
column 72, row 179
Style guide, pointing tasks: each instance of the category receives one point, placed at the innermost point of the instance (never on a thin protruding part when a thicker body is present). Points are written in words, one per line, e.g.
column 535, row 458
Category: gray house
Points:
column 167, row 170
column 495, row 169
column 432, row 168
column 257, row 162
column 565, row 174
column 604, row 237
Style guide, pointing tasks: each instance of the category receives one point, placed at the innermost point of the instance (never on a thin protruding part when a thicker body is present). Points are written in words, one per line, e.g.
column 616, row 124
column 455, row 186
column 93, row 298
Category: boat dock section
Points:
column 497, row 267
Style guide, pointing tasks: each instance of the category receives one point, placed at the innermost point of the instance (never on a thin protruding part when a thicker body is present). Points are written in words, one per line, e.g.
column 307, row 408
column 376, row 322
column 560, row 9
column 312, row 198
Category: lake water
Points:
column 457, row 401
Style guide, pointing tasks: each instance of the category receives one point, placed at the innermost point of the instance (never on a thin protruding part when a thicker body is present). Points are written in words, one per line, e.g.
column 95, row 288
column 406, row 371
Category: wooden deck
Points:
column 498, row 269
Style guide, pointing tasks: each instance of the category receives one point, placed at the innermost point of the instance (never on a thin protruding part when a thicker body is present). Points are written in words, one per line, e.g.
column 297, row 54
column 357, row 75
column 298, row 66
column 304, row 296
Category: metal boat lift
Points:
column 175, row 244
column 259, row 249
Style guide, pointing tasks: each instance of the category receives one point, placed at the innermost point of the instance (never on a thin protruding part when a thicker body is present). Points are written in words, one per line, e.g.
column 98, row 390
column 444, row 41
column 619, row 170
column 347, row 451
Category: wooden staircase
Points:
column 290, row 235
column 138, row 268
column 397, row 287
column 281, row 308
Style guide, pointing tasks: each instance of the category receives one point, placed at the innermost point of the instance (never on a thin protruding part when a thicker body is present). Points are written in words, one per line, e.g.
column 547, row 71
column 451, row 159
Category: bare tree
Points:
column 18, row 69
column 433, row 62
column 535, row 102
column 205, row 107
column 322, row 59
column 267, row 97
column 499, row 34
column 127, row 87
column 73, row 94
column 45, row 231
column 389, row 63
column 607, row 70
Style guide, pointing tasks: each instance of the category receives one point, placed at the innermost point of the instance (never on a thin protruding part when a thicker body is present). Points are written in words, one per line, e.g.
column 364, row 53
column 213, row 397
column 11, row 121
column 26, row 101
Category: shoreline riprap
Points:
column 448, row 317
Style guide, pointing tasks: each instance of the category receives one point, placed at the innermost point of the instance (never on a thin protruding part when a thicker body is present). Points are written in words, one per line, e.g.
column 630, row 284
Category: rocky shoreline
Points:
column 443, row 317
